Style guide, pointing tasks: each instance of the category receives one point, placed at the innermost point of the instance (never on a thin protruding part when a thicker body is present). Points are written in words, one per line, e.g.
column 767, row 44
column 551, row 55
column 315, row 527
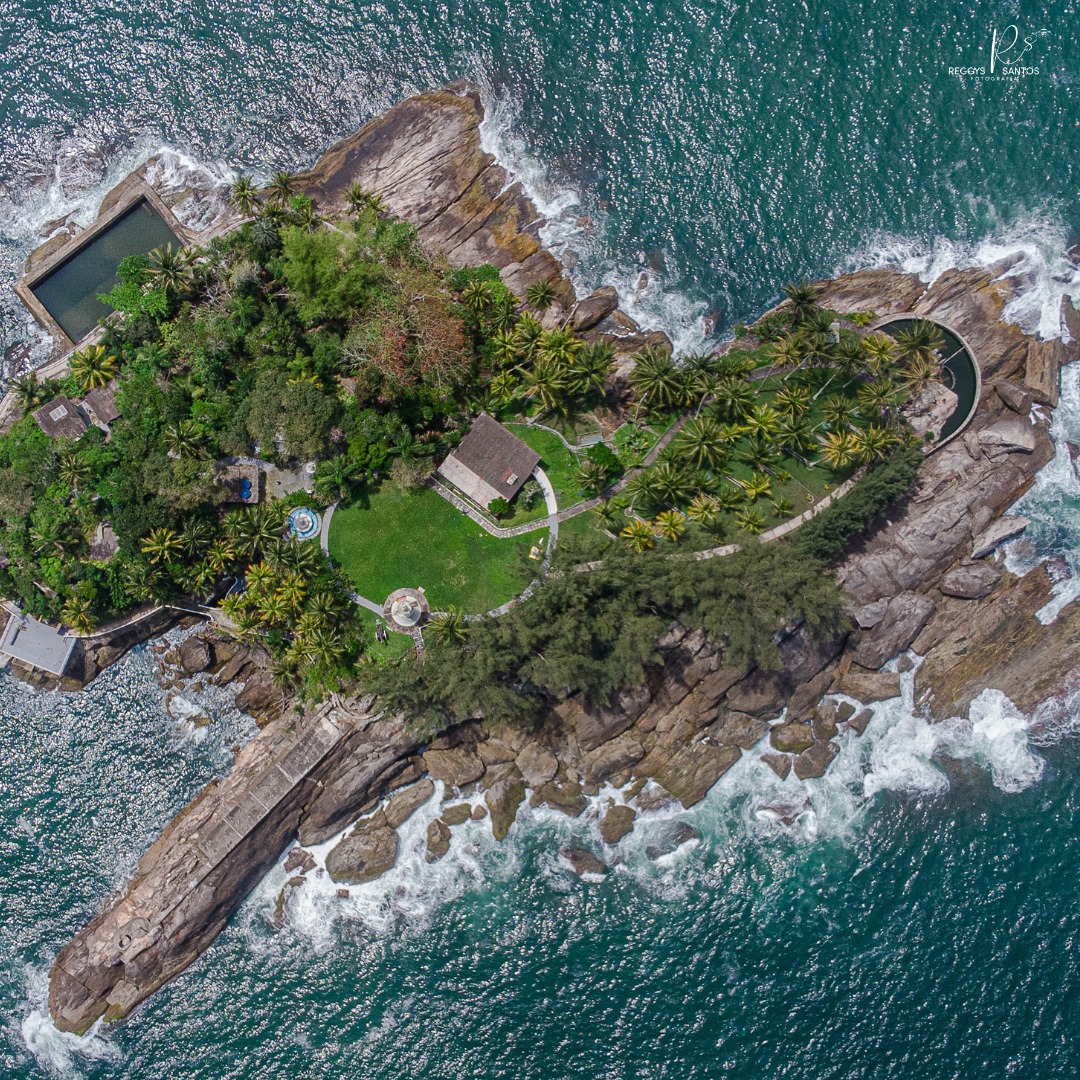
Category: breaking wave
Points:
column 1032, row 252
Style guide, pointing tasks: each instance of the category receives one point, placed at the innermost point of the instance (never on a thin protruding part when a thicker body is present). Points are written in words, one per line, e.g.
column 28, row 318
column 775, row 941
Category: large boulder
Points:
column 457, row 767
column 438, row 840
column 1012, row 435
column 870, row 686
column 971, row 582
column 617, row 823
column 403, row 804
column 791, row 738
column 537, row 765
column 368, row 851
column 993, row 536
column 1013, row 396
column 690, row 770
column 814, row 760
column 503, row 799
column 612, row 757
column 906, row 615
column 594, row 308
column 195, row 655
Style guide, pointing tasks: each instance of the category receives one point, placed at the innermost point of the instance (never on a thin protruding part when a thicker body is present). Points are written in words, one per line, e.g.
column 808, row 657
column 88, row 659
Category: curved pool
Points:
column 961, row 372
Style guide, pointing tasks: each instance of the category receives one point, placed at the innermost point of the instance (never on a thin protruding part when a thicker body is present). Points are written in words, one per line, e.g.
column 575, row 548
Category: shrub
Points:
column 828, row 535
column 499, row 507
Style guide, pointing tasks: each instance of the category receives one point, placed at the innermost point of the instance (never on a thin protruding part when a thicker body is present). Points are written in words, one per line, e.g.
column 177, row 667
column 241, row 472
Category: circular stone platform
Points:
column 304, row 523
column 406, row 609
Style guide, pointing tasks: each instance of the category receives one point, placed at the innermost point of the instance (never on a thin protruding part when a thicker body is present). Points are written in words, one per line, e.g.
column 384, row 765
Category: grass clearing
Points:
column 558, row 462
column 390, row 539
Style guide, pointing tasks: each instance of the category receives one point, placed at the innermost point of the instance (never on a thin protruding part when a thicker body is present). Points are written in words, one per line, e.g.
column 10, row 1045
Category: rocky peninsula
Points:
column 926, row 580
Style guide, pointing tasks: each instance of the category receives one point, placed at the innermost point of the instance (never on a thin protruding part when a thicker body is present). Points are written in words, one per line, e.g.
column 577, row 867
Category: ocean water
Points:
column 911, row 914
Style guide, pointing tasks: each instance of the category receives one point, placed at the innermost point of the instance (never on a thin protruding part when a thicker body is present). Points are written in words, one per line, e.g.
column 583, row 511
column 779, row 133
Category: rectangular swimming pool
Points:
column 70, row 292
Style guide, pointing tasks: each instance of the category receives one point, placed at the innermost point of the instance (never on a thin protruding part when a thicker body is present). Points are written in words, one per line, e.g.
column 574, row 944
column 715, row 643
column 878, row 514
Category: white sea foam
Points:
column 57, row 1052
column 577, row 238
column 1033, row 247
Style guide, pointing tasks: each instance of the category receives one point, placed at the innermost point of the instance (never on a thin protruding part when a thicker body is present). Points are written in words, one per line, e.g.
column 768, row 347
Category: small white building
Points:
column 490, row 463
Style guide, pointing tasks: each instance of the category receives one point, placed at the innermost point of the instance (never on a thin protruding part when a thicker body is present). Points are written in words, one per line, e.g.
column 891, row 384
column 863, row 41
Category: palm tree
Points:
column 253, row 529
column 591, row 368
column 170, row 269
column 450, row 626
column 292, row 590
column 477, row 295
column 701, row 444
column 544, row 383
column 260, row 577
column 730, row 497
column 758, row 486
column 93, row 366
column 282, row 186
column 671, row 483
column 76, row 613
column 803, row 300
column 839, row 448
column 880, row 350
column 503, row 312
column 72, row 470
column 782, row 506
column 762, row 421
column 751, row 520
column 540, row 294
column 161, row 545
column 874, row 443
column 504, row 387
column 734, row 398
column 785, row 353
column 837, row 411
column 243, row 195
column 559, row 346
column 220, row 556
column 922, row 338
column 609, row 513
column 334, row 477
column 655, row 380
column 592, row 476
column 357, row 197
column 183, row 438
column 670, row 524
column 877, row 397
column 273, row 609
column 792, row 401
column 265, row 235
column 921, row 371
column 638, row 536
column 527, row 333
column 30, row 393
column 703, row 509
column 504, row 347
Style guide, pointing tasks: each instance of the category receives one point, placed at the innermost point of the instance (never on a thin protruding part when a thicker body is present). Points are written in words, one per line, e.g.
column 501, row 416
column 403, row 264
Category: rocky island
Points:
column 923, row 577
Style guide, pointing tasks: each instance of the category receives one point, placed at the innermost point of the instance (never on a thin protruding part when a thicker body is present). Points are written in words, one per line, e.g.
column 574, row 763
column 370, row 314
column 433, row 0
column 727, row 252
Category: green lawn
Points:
column 559, row 464
column 389, row 540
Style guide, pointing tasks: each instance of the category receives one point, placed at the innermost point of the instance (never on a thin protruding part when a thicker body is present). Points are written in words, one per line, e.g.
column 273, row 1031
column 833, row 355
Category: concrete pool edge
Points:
column 113, row 207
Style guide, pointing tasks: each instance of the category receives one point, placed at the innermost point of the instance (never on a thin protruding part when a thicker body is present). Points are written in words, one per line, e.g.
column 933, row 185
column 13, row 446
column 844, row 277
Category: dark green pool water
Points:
column 70, row 293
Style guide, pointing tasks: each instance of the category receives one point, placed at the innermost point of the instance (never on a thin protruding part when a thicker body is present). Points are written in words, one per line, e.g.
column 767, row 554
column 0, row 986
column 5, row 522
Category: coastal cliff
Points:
column 922, row 580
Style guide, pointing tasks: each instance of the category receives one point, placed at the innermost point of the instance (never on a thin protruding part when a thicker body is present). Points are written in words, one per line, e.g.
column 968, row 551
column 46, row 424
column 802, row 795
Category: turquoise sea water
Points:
column 919, row 918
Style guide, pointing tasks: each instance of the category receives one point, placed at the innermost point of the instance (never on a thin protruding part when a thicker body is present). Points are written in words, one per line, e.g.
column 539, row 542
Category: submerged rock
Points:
column 813, row 761
column 583, row 862
column 779, row 763
column 678, row 834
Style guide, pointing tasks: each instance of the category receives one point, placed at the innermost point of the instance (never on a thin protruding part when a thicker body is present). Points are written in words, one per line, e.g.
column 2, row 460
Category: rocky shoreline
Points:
column 925, row 580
